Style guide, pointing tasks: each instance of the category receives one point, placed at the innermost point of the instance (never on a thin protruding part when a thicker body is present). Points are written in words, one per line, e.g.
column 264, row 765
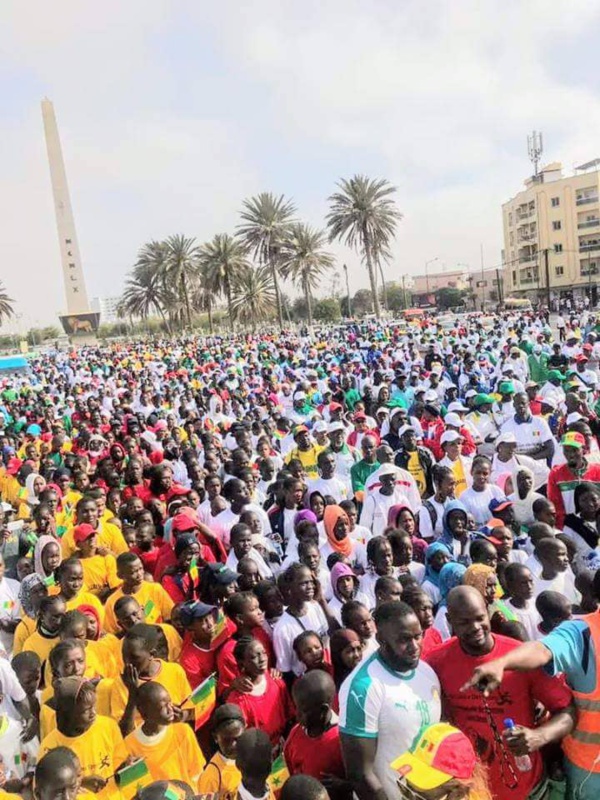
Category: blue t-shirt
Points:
column 573, row 653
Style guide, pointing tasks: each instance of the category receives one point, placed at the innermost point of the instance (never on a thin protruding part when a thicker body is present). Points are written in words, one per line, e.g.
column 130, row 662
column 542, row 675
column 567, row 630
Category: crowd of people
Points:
column 358, row 560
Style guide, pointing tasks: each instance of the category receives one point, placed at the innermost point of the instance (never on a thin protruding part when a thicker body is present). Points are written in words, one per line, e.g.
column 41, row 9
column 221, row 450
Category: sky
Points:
column 170, row 114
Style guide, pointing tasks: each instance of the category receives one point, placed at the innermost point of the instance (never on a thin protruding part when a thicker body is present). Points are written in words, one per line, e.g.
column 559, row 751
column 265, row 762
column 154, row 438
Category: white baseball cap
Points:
column 404, row 429
column 320, row 426
column 335, row 426
column 388, row 469
column 453, row 420
column 506, row 438
column 450, row 436
column 456, row 405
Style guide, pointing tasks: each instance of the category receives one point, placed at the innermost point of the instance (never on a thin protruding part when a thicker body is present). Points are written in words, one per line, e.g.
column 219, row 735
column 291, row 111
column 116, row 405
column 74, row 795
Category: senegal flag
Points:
column 133, row 778
column 279, row 774
column 193, row 571
column 204, row 698
column 220, row 633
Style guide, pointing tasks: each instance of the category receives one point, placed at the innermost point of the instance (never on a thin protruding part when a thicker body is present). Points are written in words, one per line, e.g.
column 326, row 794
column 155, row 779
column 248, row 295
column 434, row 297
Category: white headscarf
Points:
column 32, row 498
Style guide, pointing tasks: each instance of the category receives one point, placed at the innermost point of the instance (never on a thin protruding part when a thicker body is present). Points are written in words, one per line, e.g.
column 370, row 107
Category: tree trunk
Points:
column 308, row 299
column 228, row 293
column 273, row 265
column 186, row 297
column 383, row 289
column 369, row 260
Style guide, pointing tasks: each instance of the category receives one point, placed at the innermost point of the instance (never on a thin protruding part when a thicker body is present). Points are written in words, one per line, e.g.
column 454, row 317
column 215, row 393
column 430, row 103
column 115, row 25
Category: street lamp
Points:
column 427, row 263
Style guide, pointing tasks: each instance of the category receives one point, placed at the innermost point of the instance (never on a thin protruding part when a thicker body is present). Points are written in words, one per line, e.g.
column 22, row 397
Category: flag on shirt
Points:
column 8, row 605
column 133, row 778
column 204, row 698
column 150, row 612
column 279, row 774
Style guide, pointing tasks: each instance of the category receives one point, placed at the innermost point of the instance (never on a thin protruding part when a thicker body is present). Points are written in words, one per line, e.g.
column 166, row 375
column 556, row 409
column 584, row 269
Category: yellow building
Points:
column 552, row 236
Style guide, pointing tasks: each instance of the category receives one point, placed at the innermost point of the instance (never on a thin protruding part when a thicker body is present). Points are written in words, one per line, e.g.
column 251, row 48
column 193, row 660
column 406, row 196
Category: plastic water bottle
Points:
column 522, row 763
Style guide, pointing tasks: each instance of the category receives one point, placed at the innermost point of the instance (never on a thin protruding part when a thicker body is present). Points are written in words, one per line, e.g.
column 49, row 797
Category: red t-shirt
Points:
column 227, row 668
column 270, row 711
column 197, row 663
column 316, row 757
column 515, row 699
column 432, row 638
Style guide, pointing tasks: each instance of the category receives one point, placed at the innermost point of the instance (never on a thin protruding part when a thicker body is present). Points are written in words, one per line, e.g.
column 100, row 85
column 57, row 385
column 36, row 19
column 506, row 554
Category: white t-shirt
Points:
column 426, row 529
column 477, row 503
column 288, row 628
column 10, row 609
column 529, row 435
column 563, row 583
column 376, row 702
column 335, row 604
column 18, row 757
column 440, row 623
column 334, row 487
column 528, row 617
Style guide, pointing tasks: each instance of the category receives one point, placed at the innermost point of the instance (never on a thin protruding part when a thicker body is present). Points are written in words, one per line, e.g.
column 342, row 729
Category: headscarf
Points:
column 451, row 575
column 501, row 480
column 32, row 498
column 330, row 519
column 42, row 543
column 28, row 584
column 338, row 642
column 430, row 574
column 453, row 505
column 90, row 611
column 477, row 576
column 341, row 570
column 305, row 514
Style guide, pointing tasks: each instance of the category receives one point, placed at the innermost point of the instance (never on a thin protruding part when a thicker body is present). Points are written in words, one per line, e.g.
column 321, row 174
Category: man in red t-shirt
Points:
column 472, row 645
column 563, row 479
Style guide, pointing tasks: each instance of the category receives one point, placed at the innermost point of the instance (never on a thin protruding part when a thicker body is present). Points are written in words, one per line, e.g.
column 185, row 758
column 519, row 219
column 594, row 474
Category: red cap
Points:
column 335, row 406
column 185, row 520
column 13, row 466
column 177, row 490
column 581, row 358
column 83, row 532
column 359, row 415
column 156, row 457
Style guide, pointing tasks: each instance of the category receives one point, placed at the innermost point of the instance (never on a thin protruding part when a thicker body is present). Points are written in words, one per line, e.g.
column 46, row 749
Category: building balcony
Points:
column 528, row 258
column 585, row 248
column 589, row 223
column 582, row 201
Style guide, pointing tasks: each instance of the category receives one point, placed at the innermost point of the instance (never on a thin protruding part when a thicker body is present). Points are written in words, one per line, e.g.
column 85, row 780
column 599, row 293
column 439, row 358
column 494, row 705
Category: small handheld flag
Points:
column 193, row 571
column 204, row 698
column 132, row 778
column 279, row 774
column 50, row 580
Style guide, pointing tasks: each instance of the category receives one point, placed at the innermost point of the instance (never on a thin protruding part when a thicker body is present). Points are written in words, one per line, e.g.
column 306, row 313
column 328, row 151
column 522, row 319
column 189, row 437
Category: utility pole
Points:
column 499, row 284
column 427, row 263
column 404, row 303
column 547, row 269
column 482, row 281
column 345, row 268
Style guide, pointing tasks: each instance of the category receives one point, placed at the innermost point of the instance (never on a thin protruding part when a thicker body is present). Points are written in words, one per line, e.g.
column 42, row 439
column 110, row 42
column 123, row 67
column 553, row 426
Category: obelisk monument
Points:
column 79, row 321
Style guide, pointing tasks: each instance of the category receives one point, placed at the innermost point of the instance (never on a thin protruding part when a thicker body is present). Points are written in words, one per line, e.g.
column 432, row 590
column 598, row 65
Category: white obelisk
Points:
column 75, row 291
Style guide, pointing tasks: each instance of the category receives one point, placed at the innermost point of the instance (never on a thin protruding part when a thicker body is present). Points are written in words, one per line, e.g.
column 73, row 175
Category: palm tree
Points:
column 181, row 266
column 146, row 289
column 364, row 216
column 304, row 260
column 254, row 296
column 6, row 305
column 222, row 260
column 265, row 228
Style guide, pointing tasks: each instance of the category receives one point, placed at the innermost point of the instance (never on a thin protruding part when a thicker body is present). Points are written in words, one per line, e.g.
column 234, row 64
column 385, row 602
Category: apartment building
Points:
column 552, row 236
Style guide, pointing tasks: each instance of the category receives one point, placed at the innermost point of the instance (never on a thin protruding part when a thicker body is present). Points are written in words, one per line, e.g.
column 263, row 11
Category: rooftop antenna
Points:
column 535, row 148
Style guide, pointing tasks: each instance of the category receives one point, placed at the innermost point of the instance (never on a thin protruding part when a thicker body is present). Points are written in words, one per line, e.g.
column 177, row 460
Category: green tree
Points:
column 364, row 216
column 254, row 296
column 449, row 297
column 266, row 223
column 397, row 297
column 146, row 289
column 362, row 302
column 222, row 261
column 328, row 310
column 300, row 309
column 182, row 267
column 304, row 260
column 6, row 304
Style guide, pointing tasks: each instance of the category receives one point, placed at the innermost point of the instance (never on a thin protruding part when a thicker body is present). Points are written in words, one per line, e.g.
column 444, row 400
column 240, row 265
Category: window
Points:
column 588, row 268
column 556, row 225
column 558, row 248
column 514, row 276
column 559, row 271
column 555, row 202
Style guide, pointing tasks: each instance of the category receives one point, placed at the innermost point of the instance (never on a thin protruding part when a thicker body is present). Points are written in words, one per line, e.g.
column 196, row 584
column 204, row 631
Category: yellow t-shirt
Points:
column 459, row 476
column 42, row 645
column 94, row 668
column 109, row 536
column 22, row 632
column 114, row 646
column 105, row 648
column 171, row 676
column 99, row 573
column 173, row 753
column 220, row 776
column 308, row 459
column 417, row 471
column 153, row 599
column 100, row 751
column 82, row 598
